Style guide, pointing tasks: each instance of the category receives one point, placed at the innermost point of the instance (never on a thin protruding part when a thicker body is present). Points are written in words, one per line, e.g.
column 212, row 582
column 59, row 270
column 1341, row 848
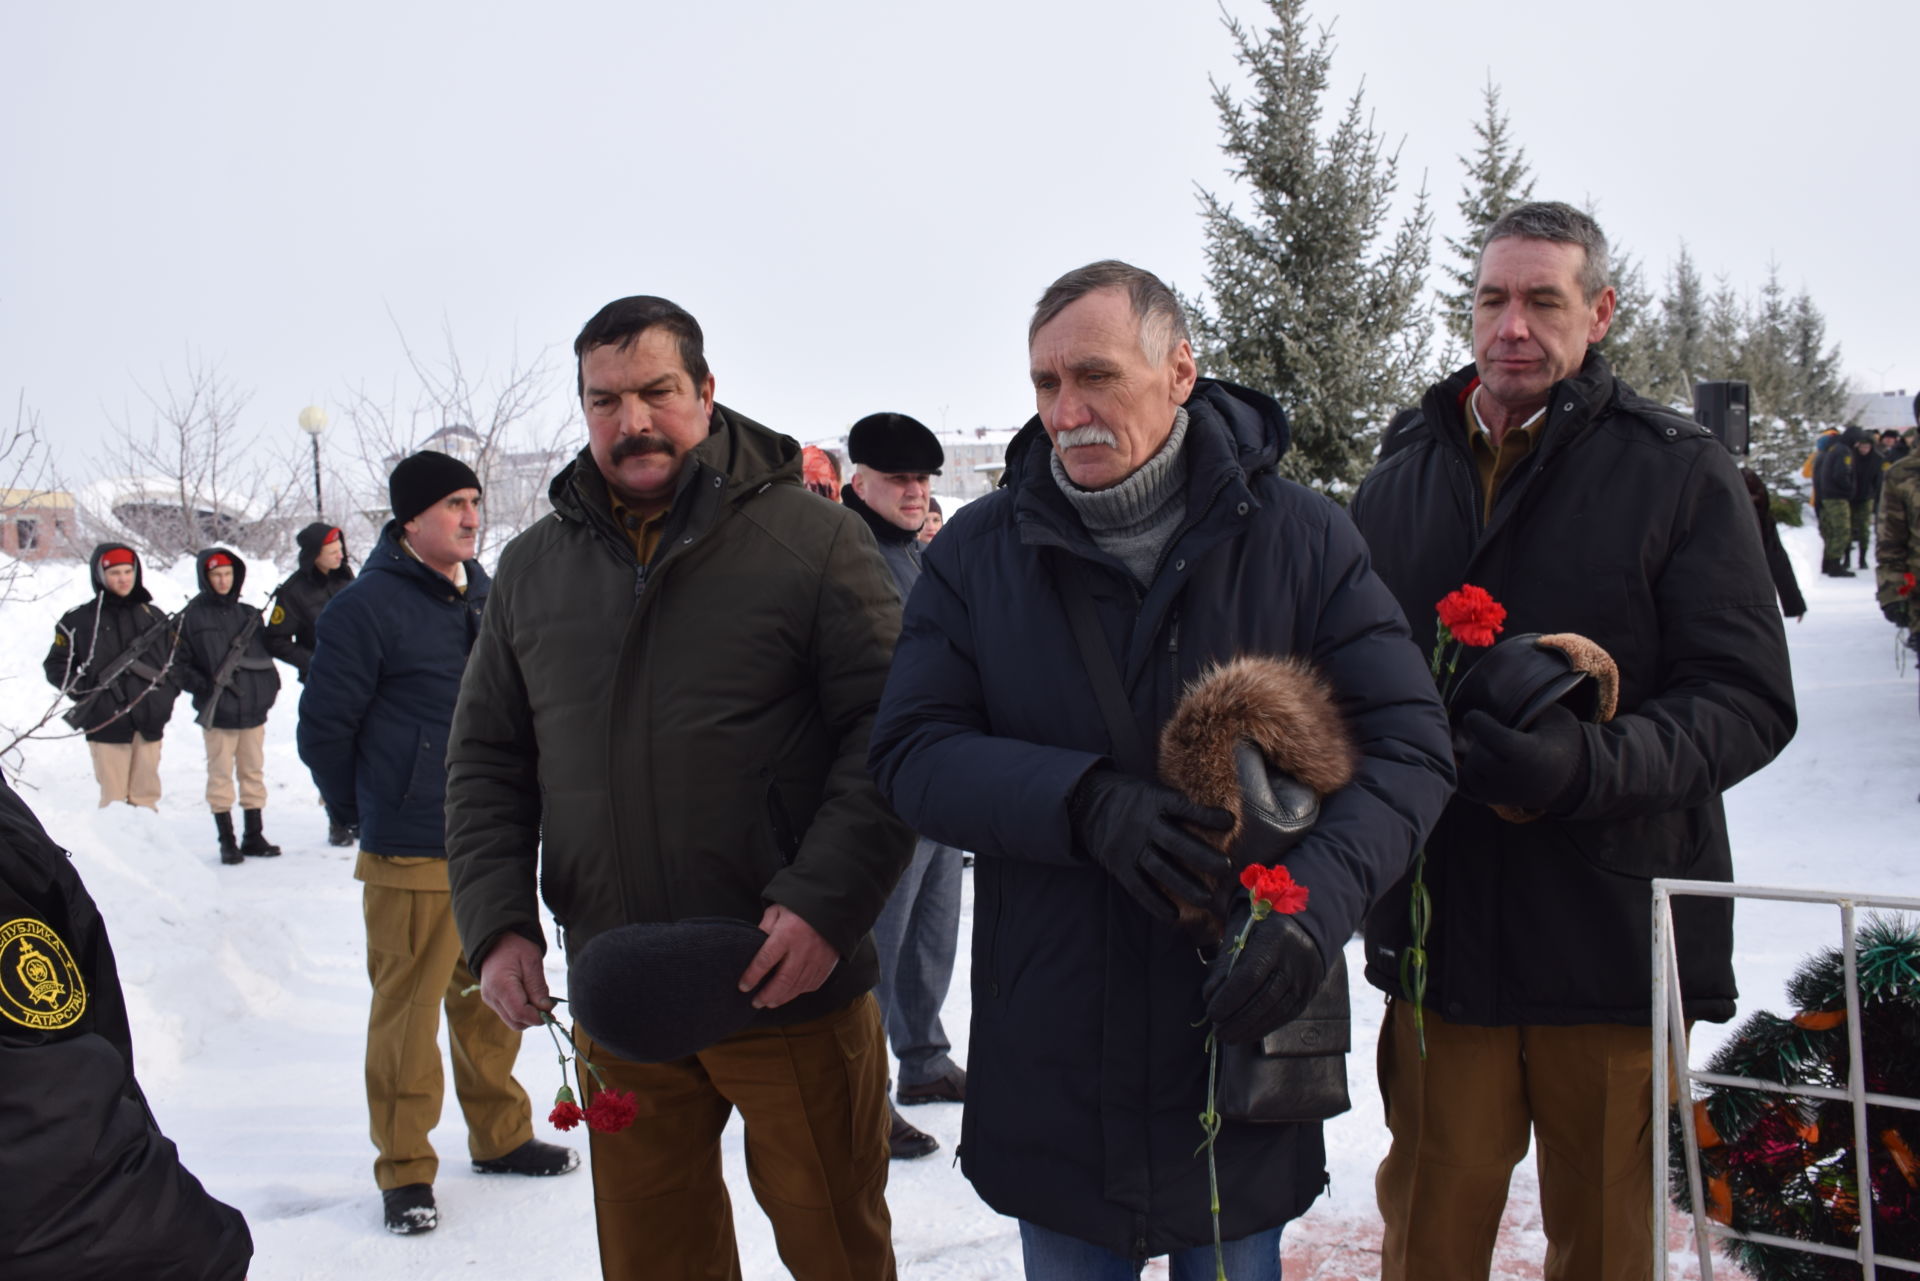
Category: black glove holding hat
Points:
column 1268, row 984
column 1138, row 833
column 1542, row 768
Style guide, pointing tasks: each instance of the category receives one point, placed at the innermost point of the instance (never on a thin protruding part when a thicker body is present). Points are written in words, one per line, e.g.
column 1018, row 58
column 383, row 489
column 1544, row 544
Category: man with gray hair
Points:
column 1141, row 536
column 1583, row 508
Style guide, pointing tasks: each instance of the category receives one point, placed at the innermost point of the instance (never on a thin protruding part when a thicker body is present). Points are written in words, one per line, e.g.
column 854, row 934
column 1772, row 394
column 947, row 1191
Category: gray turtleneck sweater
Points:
column 1134, row 520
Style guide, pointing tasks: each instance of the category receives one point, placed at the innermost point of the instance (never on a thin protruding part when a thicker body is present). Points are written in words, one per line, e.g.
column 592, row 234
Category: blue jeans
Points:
column 915, row 937
column 1055, row 1256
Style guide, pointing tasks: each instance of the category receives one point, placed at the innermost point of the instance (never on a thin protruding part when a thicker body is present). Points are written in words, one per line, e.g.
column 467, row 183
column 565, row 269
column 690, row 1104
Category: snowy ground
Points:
column 248, row 994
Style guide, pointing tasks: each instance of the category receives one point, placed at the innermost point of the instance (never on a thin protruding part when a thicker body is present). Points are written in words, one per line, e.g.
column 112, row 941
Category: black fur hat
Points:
column 895, row 443
column 657, row 992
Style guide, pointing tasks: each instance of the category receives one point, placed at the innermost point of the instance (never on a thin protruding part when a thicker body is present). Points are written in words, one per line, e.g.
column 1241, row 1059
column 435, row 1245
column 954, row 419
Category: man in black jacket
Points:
column 125, row 699
column 895, row 459
column 322, row 572
column 1537, row 475
column 1144, row 502
column 93, row 1190
column 225, row 666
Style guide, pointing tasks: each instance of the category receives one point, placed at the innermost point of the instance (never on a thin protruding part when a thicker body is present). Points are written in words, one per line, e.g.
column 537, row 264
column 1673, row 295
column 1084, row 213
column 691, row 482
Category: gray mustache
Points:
column 1079, row 436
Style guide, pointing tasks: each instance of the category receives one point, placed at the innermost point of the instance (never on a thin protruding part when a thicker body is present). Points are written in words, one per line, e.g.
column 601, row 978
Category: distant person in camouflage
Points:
column 1839, row 477
column 1897, row 557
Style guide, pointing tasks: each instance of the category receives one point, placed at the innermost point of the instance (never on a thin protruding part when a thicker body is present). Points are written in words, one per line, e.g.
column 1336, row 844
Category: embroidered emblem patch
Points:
column 59, row 639
column 40, row 986
column 278, row 616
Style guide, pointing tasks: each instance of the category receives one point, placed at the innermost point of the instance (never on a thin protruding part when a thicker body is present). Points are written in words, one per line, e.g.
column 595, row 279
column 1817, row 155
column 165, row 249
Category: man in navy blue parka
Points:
column 1087, row 1065
column 388, row 657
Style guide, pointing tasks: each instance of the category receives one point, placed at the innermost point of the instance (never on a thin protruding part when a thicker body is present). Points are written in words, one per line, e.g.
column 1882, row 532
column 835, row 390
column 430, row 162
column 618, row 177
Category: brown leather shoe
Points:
column 905, row 1141
column 950, row 1087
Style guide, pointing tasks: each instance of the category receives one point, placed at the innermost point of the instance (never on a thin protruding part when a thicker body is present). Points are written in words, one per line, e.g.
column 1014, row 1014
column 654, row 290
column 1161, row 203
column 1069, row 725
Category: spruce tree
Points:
column 1630, row 345
column 1797, row 390
column 1680, row 343
column 1310, row 295
column 1498, row 178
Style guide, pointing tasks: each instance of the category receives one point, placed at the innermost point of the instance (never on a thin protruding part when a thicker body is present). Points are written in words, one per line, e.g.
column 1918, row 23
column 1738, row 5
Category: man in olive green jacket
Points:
column 666, row 716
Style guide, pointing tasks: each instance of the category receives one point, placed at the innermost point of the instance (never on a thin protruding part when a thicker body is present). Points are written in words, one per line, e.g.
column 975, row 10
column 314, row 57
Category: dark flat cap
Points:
column 895, row 443
column 657, row 992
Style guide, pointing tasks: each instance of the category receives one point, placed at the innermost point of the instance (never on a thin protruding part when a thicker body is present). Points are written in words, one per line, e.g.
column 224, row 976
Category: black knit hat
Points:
column 423, row 479
column 895, row 443
column 657, row 992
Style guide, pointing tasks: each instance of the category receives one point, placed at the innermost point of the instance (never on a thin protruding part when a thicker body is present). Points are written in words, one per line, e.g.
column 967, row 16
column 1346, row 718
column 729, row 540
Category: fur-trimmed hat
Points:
column 1261, row 739
column 895, row 443
column 1524, row 675
column 661, row 991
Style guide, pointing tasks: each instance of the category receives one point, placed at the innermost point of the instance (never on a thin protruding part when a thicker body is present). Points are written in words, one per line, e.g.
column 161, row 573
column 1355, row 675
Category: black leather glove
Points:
column 1136, row 831
column 1542, row 768
column 1895, row 611
column 1274, row 977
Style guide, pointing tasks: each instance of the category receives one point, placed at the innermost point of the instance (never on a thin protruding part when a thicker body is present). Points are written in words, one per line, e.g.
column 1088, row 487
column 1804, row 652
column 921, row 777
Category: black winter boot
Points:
column 1863, row 557
column 229, row 848
column 255, row 841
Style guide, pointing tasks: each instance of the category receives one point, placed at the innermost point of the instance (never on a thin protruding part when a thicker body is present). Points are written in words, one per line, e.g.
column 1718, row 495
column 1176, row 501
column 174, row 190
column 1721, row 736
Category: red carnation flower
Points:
column 1471, row 615
column 1906, row 584
column 566, row 1115
column 611, row 1111
column 1275, row 887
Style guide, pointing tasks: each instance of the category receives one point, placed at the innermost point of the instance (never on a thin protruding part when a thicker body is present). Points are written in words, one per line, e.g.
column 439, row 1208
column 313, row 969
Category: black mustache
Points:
column 640, row 446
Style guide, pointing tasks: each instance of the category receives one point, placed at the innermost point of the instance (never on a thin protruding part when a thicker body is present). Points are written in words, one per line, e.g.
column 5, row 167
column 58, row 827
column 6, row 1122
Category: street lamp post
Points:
column 313, row 421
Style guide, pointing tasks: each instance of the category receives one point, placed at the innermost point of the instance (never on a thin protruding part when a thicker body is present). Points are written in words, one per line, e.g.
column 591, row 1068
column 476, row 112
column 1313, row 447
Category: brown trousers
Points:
column 127, row 772
column 236, row 751
column 414, row 960
column 1460, row 1123
column 814, row 1099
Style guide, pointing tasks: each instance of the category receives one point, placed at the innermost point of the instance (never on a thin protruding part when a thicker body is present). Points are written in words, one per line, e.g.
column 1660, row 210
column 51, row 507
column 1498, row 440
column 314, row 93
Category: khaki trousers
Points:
column 414, row 961
column 127, row 772
column 1460, row 1122
column 241, row 751
column 814, row 1099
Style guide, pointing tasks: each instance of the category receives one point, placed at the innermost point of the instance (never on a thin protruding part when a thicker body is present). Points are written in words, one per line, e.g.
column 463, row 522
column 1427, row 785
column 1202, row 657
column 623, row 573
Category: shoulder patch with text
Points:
column 40, row 986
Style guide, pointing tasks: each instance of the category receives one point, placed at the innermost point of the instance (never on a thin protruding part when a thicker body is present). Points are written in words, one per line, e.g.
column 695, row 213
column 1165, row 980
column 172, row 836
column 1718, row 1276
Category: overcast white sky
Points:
column 860, row 201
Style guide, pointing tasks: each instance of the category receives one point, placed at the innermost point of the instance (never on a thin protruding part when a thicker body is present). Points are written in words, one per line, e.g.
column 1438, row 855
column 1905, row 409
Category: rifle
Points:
column 235, row 658
column 130, row 660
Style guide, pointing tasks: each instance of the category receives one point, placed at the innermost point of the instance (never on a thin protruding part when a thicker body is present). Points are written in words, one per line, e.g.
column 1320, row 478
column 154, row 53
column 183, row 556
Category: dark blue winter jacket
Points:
column 387, row 660
column 1087, row 1067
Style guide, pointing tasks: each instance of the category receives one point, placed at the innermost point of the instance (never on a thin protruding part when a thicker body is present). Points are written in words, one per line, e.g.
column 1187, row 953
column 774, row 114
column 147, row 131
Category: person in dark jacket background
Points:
column 225, row 666
column 321, row 573
column 387, row 660
column 1581, row 507
column 1087, row 1067
column 93, row 1190
column 895, row 459
column 1779, row 565
column 1840, row 478
column 127, row 715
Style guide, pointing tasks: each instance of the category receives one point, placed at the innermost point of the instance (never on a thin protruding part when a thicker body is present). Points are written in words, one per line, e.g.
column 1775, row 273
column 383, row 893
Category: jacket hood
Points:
column 200, row 573
column 311, row 539
column 391, row 556
column 139, row 595
column 748, row 455
column 1254, row 422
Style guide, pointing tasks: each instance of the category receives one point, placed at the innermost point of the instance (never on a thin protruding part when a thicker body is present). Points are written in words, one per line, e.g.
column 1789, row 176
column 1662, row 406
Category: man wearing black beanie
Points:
column 387, row 661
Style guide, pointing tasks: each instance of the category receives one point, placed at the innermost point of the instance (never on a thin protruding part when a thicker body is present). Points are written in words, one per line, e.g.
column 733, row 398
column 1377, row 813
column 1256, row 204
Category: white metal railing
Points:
column 1670, row 1047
